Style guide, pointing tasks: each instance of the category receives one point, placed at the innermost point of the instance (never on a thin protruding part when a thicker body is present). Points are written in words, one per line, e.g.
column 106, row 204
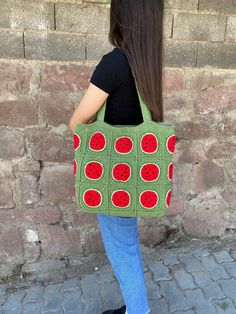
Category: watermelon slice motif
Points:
column 76, row 141
column 170, row 171
column 168, row 197
column 149, row 143
column 120, row 198
column 148, row 199
column 75, row 167
column 97, row 141
column 123, row 145
column 92, row 197
column 93, row 170
column 121, row 172
column 170, row 144
column 149, row 172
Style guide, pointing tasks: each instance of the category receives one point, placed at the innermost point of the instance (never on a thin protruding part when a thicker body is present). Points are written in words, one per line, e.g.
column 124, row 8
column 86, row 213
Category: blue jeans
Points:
column 121, row 243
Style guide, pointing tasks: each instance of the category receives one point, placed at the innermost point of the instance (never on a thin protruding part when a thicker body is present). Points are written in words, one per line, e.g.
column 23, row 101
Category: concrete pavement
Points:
column 190, row 279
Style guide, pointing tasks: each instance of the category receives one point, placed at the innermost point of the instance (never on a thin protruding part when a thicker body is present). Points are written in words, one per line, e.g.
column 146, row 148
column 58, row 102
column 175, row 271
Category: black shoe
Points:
column 121, row 310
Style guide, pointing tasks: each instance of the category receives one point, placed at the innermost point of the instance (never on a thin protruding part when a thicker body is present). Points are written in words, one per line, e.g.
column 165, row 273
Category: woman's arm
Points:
column 88, row 107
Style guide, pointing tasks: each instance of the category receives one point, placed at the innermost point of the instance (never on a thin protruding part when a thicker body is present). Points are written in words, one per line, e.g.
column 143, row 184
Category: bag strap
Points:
column 145, row 111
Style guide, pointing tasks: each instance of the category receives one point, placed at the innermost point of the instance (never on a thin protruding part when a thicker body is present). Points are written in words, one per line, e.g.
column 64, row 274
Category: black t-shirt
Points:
column 114, row 76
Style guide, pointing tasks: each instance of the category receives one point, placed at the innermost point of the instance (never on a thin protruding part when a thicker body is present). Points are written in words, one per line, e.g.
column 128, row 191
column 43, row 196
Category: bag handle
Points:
column 145, row 111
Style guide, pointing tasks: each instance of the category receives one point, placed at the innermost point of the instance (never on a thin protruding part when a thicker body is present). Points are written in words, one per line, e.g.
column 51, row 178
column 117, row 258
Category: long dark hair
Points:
column 136, row 26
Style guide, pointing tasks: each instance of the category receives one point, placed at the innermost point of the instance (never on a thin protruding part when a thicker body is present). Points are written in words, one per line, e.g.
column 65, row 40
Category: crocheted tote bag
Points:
column 124, row 170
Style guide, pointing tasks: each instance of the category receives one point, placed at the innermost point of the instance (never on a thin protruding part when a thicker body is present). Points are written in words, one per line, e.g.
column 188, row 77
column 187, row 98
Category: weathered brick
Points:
column 219, row 99
column 65, row 77
column 56, row 242
column 26, row 166
column 83, row 219
column 52, row 147
column 179, row 53
column 31, row 235
column 87, row 18
column 217, row 55
column 152, row 235
column 199, row 27
column 6, row 196
column 222, row 6
column 11, row 44
column 221, row 150
column 227, row 126
column 55, row 109
column 174, row 102
column 230, row 167
column 31, row 253
column 27, row 189
column 229, row 194
column 231, row 28
column 26, row 14
column 176, row 206
column 181, row 4
column 54, row 46
column 12, row 143
column 181, row 179
column 92, row 242
column 202, row 222
column 41, row 215
column 14, row 78
column 168, row 21
column 57, row 183
column 24, row 110
column 96, row 47
column 190, row 130
column 34, row 133
column 190, row 152
column 206, row 79
column 205, row 175
column 22, row 215
column 173, row 80
column 11, row 248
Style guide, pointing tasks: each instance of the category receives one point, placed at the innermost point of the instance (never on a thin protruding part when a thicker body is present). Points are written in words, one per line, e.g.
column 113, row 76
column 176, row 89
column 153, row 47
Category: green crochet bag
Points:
column 124, row 170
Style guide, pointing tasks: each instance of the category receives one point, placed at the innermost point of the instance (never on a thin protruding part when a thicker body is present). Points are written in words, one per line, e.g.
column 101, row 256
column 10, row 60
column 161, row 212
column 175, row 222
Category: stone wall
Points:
column 47, row 54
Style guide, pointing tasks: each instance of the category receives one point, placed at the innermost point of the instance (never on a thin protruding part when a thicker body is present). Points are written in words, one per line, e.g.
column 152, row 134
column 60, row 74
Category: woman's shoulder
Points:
column 116, row 55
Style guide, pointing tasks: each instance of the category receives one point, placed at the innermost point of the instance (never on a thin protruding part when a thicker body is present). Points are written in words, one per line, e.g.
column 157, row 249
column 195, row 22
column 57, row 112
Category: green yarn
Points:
column 124, row 170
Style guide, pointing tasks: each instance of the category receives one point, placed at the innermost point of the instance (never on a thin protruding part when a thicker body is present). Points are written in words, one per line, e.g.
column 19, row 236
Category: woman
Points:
column 136, row 31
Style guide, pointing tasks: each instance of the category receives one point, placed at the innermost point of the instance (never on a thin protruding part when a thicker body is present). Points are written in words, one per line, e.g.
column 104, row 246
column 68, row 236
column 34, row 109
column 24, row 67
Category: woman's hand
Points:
column 91, row 102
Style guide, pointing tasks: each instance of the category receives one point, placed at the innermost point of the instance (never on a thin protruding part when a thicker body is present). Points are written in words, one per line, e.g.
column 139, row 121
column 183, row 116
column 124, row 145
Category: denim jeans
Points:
column 121, row 242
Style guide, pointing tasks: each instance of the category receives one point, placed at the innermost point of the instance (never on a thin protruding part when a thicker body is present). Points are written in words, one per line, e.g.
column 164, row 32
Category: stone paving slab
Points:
column 194, row 281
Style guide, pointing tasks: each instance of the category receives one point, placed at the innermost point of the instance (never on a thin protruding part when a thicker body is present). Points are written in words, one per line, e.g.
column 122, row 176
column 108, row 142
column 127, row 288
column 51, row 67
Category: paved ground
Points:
column 198, row 277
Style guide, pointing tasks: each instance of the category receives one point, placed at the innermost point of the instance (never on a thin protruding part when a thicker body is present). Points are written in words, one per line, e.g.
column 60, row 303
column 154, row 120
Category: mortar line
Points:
column 23, row 39
column 54, row 15
column 172, row 27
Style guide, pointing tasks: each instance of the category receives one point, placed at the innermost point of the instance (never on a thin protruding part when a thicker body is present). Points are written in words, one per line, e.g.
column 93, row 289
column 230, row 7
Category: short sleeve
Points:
column 106, row 75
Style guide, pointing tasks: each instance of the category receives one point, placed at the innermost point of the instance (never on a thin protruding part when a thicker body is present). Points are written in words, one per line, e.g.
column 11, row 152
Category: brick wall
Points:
column 47, row 54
